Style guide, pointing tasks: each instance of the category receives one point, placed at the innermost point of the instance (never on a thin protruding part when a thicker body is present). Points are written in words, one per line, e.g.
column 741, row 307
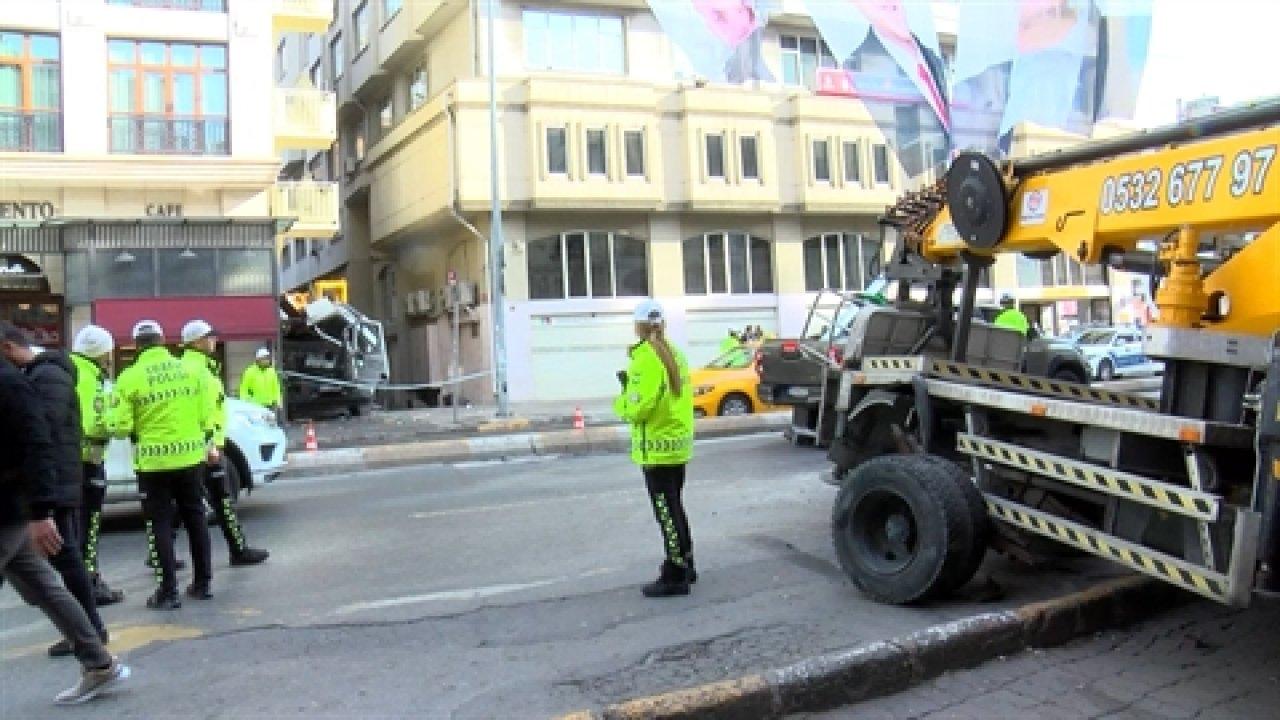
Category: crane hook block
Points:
column 978, row 201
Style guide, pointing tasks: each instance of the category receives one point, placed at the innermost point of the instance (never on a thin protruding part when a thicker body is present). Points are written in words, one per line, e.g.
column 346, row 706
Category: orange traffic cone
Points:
column 579, row 422
column 312, row 444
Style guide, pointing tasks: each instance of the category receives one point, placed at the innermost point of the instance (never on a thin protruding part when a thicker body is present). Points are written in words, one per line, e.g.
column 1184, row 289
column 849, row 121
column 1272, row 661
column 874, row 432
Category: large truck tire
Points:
column 902, row 529
column 980, row 522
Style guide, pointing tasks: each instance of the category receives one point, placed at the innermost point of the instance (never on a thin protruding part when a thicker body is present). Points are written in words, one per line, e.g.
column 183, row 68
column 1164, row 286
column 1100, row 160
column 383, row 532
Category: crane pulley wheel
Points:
column 978, row 201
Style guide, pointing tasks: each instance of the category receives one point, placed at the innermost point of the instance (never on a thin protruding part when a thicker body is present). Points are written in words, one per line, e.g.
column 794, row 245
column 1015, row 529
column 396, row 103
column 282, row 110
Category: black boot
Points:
column 199, row 589
column 164, row 600
column 103, row 594
column 672, row 580
column 693, row 571
column 249, row 556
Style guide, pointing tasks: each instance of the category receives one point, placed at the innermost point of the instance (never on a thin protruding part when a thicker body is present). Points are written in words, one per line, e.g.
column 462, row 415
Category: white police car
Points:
column 1116, row 352
column 255, row 453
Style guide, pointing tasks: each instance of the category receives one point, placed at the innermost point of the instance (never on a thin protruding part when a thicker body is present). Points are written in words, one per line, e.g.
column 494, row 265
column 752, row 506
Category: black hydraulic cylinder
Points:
column 968, row 297
column 1261, row 113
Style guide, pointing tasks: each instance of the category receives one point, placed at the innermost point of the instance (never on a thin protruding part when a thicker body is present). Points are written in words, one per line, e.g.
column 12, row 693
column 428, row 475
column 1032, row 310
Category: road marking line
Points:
column 123, row 640
column 477, row 593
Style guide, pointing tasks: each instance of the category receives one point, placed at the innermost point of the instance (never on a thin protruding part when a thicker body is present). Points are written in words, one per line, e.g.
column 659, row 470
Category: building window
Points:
column 715, row 155
column 727, row 262
column 30, row 93
column 597, row 159
column 840, row 261
column 360, row 26
column 587, row 264
column 168, row 98
column 337, row 56
column 1057, row 271
column 386, row 115
column 852, row 168
column 557, row 153
column 570, row 41
column 417, row 87
column 880, row 158
column 821, row 161
column 206, row 5
column 802, row 55
column 286, row 259
column 316, row 76
column 280, row 68
column 633, row 140
column 750, row 157
column 390, row 8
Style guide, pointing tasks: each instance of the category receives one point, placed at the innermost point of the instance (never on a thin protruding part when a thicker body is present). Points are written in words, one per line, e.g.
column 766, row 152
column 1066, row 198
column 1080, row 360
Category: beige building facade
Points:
column 139, row 149
column 622, row 175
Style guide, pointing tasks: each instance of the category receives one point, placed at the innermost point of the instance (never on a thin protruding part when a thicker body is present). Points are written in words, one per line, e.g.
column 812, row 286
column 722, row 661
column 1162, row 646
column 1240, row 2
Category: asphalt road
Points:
column 1201, row 661
column 486, row 590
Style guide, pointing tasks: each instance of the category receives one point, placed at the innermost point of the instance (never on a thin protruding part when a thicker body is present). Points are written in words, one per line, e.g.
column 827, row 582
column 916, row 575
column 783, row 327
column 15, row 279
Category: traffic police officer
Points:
column 260, row 384
column 200, row 342
column 1011, row 317
column 90, row 353
column 165, row 409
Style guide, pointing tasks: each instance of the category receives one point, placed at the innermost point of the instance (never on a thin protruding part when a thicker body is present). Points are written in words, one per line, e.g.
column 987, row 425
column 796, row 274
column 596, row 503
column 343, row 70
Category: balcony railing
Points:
column 30, row 131
column 305, row 119
column 314, row 206
column 206, row 5
column 168, row 135
column 304, row 16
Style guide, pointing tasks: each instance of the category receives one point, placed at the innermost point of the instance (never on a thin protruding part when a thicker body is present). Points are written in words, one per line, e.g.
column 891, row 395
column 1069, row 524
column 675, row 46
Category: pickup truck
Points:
column 801, row 372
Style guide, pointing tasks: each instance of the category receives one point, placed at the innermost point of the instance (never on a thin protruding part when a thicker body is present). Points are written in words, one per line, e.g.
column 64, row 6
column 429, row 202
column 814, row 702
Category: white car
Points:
column 1116, row 352
column 255, row 453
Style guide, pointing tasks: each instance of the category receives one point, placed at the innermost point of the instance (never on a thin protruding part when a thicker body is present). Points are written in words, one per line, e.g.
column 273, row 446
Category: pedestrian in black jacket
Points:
column 29, row 469
column 53, row 378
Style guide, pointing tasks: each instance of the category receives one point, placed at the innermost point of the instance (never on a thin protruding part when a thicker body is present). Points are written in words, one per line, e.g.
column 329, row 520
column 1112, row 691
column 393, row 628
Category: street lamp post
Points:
column 496, row 296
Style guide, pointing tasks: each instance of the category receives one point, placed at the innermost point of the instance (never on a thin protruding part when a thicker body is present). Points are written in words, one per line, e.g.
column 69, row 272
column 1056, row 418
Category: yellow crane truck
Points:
column 943, row 449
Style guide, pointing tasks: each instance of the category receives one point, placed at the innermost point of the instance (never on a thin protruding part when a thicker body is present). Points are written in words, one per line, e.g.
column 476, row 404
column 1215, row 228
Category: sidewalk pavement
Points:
column 387, row 439
column 844, row 677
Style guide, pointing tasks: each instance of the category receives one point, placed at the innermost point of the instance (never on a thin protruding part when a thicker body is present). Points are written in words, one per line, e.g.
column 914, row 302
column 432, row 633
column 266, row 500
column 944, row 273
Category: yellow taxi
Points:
column 727, row 385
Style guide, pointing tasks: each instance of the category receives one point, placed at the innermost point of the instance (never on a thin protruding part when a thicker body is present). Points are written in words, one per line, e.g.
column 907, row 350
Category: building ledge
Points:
column 133, row 171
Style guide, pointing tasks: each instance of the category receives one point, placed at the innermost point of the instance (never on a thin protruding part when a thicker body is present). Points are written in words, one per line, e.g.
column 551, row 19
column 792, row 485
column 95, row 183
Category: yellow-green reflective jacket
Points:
column 260, row 385
column 661, row 421
column 206, row 368
column 92, row 394
column 163, row 407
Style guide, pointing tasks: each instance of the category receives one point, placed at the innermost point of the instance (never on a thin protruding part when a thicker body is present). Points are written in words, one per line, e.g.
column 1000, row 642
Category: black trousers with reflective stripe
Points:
column 666, row 488
column 160, row 491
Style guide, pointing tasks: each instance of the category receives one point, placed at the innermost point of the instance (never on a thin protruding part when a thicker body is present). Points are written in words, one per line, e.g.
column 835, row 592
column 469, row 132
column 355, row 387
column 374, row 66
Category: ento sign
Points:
column 32, row 210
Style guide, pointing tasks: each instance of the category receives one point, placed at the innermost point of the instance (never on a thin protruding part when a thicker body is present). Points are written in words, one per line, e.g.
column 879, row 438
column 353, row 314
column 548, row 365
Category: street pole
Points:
column 497, row 299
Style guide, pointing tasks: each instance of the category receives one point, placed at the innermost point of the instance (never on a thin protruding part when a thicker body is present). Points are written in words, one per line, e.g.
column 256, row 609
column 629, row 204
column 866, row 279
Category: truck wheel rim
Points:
column 884, row 532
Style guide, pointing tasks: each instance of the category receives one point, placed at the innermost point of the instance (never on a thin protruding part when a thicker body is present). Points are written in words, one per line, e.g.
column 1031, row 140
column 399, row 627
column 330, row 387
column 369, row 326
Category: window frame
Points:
column 548, row 165
column 337, row 55
column 880, row 160
column 822, row 58
column 613, row 237
column 842, row 238
column 169, row 71
column 725, row 240
column 627, row 169
column 361, row 27
column 754, row 154
column 850, row 149
column 386, row 115
column 414, row 73
column 550, row 63
column 706, row 155
column 823, row 164
column 389, row 15
column 601, row 134
column 27, row 63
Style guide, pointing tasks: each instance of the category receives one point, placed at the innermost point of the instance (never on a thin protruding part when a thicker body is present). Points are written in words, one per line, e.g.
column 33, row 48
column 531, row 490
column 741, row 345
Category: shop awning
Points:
column 255, row 317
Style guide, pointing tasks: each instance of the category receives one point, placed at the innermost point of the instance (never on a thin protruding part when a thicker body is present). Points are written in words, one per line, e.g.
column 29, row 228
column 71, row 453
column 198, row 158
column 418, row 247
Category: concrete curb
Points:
column 605, row 438
column 881, row 668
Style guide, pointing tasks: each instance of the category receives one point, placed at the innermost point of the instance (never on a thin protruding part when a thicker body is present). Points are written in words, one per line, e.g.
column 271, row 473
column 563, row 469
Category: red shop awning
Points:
column 255, row 317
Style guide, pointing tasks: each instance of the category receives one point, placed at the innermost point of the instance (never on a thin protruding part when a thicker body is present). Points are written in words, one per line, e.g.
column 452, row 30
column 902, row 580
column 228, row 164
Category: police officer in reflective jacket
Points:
column 199, row 342
column 165, row 409
column 90, row 353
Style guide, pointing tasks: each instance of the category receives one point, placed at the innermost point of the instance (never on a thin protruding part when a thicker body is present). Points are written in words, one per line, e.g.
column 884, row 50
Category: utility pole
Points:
column 497, row 298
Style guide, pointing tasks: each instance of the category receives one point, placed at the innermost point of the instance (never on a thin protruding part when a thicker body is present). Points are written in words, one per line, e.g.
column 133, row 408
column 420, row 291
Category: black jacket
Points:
column 28, row 462
column 53, row 377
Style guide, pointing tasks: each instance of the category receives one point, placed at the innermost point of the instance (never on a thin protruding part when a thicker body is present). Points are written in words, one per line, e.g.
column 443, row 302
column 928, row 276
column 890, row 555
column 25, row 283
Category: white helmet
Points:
column 148, row 327
column 93, row 342
column 649, row 312
column 194, row 330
